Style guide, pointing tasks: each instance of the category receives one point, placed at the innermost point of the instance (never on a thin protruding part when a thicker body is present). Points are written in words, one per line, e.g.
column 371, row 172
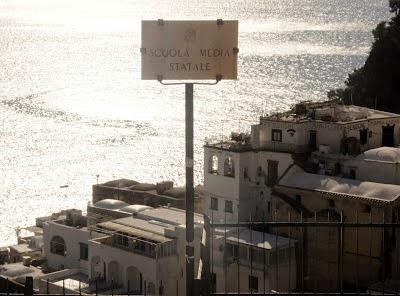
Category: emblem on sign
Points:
column 190, row 35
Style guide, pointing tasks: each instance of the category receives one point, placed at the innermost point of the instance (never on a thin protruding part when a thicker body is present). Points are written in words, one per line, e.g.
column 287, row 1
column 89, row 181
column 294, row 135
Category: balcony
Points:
column 151, row 249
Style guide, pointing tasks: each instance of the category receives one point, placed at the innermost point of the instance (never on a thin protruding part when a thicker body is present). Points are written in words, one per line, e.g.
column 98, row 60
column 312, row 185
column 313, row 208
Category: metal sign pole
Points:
column 189, row 189
column 191, row 289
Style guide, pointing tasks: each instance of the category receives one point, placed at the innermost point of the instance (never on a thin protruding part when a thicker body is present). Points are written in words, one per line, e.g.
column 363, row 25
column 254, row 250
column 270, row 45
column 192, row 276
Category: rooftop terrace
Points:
column 330, row 111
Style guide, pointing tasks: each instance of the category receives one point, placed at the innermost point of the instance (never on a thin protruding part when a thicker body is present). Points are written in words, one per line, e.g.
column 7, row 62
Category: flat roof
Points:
column 17, row 270
column 342, row 114
column 170, row 215
column 72, row 282
column 138, row 228
column 23, row 248
column 297, row 178
column 259, row 239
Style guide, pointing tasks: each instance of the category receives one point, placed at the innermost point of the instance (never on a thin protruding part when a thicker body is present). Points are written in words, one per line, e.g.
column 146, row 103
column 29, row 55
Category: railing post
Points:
column 28, row 290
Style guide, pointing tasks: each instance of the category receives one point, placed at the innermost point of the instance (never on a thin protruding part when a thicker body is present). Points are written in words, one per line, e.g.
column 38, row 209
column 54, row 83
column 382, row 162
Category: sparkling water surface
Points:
column 72, row 105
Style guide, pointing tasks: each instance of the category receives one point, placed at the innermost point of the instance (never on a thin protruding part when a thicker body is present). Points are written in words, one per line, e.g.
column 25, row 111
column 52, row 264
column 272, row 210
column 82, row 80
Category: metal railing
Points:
column 324, row 253
column 335, row 254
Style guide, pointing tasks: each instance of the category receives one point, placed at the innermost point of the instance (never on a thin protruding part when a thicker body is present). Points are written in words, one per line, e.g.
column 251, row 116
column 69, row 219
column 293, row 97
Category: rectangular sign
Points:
column 189, row 50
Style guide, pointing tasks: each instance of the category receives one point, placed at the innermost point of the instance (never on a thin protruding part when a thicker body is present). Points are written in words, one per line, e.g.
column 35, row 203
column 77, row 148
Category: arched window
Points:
column 57, row 246
column 229, row 167
column 213, row 165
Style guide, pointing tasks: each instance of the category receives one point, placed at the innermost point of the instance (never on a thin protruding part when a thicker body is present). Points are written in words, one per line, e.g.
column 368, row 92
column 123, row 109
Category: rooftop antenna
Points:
column 376, row 99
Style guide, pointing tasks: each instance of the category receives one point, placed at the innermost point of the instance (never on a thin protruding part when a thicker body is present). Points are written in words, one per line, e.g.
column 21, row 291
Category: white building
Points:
column 141, row 253
column 376, row 165
column 66, row 241
column 239, row 174
column 144, row 254
column 252, row 262
column 337, row 128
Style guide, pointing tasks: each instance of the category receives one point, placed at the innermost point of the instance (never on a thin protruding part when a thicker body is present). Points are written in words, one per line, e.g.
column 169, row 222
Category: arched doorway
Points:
column 96, row 268
column 134, row 278
column 114, row 273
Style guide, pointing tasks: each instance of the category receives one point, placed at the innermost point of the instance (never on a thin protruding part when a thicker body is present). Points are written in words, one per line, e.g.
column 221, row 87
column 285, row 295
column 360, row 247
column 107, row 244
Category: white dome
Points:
column 111, row 204
column 389, row 154
column 133, row 209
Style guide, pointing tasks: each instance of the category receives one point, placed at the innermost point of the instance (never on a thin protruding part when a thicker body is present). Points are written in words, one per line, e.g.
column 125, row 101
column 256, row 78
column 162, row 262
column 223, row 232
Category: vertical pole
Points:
column 28, row 289
column 189, row 189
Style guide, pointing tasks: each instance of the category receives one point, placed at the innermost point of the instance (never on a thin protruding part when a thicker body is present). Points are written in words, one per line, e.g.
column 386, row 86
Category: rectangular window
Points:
column 272, row 177
column 312, row 143
column 363, row 136
column 84, row 254
column 245, row 173
column 214, row 204
column 276, row 135
column 232, row 250
column 298, row 199
column 228, row 206
column 253, row 284
column 352, row 173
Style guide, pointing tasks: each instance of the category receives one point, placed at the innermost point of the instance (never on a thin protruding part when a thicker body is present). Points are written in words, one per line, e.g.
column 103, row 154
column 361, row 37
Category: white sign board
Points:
column 189, row 50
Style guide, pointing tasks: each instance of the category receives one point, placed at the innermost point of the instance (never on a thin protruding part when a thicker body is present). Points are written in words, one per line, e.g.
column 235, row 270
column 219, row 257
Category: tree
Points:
column 377, row 83
column 394, row 6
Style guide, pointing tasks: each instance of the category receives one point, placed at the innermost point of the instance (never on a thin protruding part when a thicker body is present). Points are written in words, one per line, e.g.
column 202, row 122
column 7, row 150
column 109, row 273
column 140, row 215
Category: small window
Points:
column 84, row 254
column 253, row 284
column 363, row 136
column 272, row 177
column 232, row 250
column 228, row 206
column 352, row 173
column 331, row 203
column 298, row 199
column 229, row 167
column 214, row 204
column 57, row 246
column 276, row 135
column 213, row 165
